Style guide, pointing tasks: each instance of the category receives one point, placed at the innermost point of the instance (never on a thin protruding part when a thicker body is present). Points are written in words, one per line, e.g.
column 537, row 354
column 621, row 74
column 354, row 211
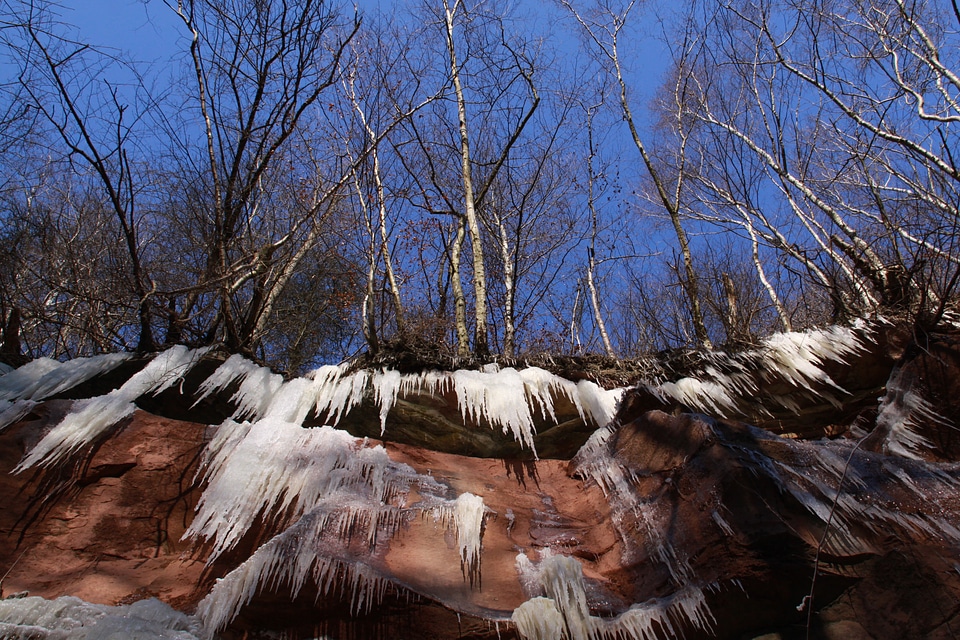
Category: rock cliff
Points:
column 808, row 488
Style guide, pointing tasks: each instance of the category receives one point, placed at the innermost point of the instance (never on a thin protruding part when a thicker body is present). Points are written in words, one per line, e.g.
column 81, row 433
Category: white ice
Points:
column 72, row 618
column 291, row 558
column 335, row 488
column 558, row 605
column 468, row 516
column 96, row 415
column 23, row 388
column 539, row 619
column 797, row 358
column 505, row 399
column 901, row 411
column 257, row 385
column 275, row 467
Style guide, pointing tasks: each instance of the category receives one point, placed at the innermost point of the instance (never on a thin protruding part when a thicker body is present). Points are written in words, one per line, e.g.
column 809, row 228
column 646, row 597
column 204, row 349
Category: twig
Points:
column 4, row 577
column 808, row 599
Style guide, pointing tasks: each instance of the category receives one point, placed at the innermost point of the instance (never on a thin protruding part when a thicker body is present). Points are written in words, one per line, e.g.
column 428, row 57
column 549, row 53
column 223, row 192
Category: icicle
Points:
column 334, row 487
column 338, row 395
column 539, row 619
column 901, row 412
column 598, row 405
column 563, row 612
column 233, row 368
column 797, row 356
column 22, row 389
column 701, row 395
column 499, row 399
column 317, row 547
column 386, row 385
column 43, row 378
column 15, row 411
column 468, row 516
column 96, row 415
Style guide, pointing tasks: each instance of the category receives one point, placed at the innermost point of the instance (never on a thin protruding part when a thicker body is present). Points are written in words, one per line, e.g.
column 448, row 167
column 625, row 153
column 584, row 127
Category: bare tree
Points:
column 603, row 27
column 64, row 82
column 827, row 139
column 494, row 90
column 258, row 68
column 592, row 195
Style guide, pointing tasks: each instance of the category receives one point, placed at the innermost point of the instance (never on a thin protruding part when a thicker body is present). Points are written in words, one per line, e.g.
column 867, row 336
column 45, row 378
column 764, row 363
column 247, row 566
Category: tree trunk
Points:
column 480, row 345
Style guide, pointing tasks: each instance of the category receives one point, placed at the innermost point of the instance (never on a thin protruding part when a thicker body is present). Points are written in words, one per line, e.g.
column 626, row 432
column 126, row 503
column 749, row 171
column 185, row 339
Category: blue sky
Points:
column 147, row 30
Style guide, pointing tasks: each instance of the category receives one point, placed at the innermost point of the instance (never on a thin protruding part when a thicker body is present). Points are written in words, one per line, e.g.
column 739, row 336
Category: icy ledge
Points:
column 506, row 399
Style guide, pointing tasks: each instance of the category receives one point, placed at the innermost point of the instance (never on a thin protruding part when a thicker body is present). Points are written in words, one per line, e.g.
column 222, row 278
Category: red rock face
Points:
column 110, row 530
column 666, row 505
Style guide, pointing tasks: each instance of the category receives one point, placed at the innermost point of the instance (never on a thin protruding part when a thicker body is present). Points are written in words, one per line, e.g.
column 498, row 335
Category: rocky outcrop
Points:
column 106, row 526
column 664, row 523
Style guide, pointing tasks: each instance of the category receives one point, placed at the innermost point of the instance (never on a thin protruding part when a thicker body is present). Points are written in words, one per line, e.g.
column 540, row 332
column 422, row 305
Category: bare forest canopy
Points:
column 303, row 181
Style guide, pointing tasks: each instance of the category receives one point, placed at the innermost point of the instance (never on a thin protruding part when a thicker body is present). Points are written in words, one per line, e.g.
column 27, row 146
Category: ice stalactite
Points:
column 275, row 467
column 310, row 549
column 344, row 498
column 504, row 399
column 539, row 619
column 23, row 388
column 257, row 386
column 97, row 415
column 386, row 386
column 337, row 392
column 558, row 607
column 499, row 399
column 901, row 413
column 796, row 358
column 468, row 518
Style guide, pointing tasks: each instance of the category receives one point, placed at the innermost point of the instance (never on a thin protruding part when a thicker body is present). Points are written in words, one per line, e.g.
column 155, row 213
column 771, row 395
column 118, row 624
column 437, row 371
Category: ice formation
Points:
column 796, row 358
column 857, row 495
column 257, row 385
column 273, row 467
column 504, row 399
column 301, row 552
column 70, row 618
column 559, row 608
column 21, row 389
column 96, row 415
column 539, row 619
column 901, row 412
column 332, row 500
column 468, row 516
column 343, row 498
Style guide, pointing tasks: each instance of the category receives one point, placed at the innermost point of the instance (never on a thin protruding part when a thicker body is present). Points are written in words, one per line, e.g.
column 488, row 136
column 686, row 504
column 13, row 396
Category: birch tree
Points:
column 843, row 116
column 603, row 26
column 494, row 90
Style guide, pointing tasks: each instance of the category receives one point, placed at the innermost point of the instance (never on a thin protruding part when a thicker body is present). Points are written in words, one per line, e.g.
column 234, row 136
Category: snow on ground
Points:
column 68, row 618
